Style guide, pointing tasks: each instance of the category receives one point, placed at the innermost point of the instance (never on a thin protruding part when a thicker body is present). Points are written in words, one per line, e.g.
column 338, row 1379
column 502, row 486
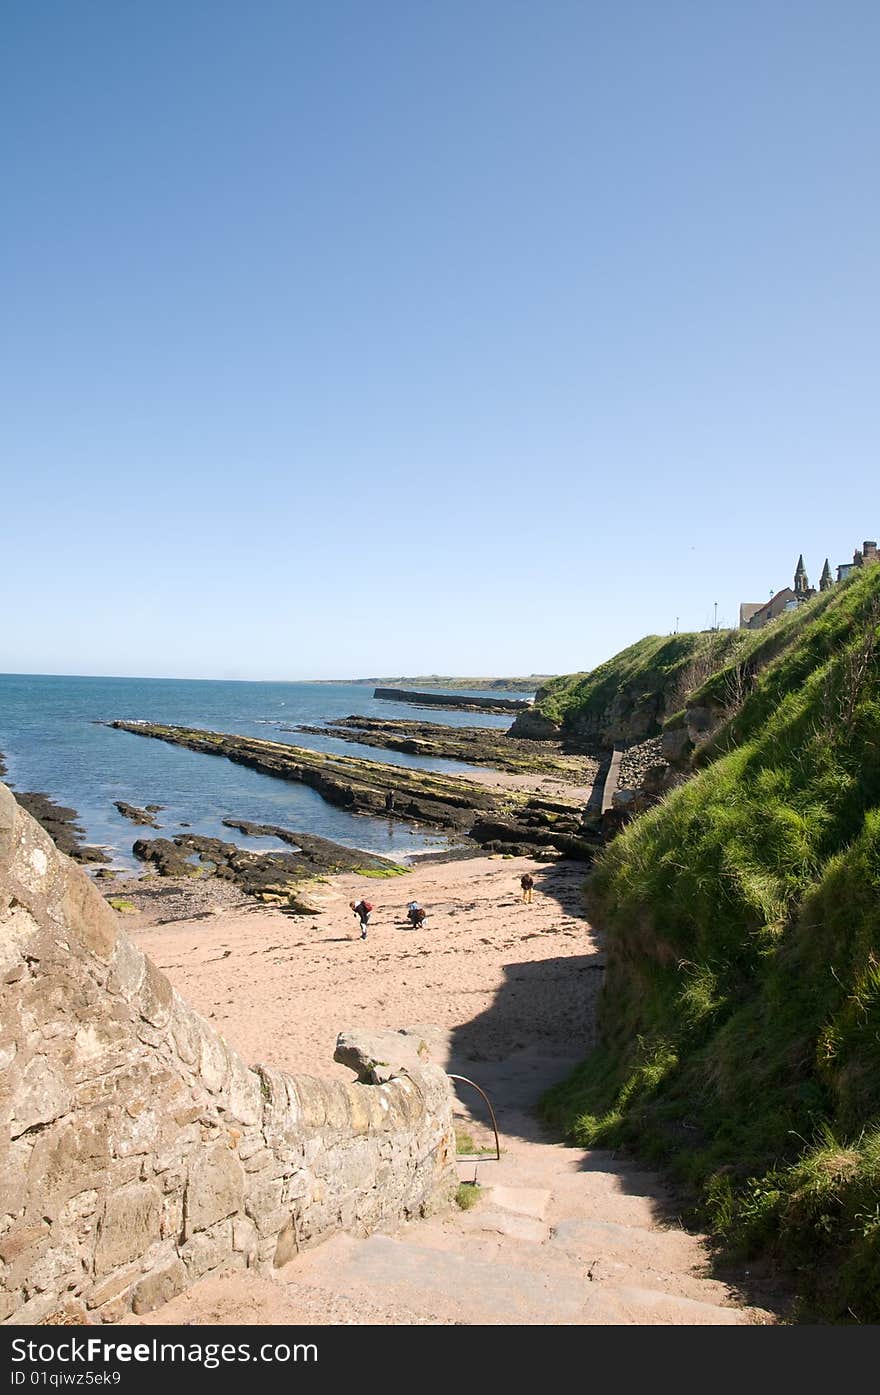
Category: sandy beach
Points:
column 509, row 992
column 494, row 974
column 510, row 989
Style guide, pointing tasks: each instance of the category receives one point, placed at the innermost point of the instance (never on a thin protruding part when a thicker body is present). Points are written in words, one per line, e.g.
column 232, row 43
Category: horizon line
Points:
column 182, row 678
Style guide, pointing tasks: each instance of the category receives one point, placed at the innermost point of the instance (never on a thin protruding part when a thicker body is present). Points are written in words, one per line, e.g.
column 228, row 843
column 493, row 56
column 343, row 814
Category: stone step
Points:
column 495, row 1220
column 440, row 1283
column 632, row 1200
column 626, row 1306
column 455, row 1285
column 656, row 1248
column 247, row 1298
column 671, row 1283
column 522, row 1201
column 671, row 1262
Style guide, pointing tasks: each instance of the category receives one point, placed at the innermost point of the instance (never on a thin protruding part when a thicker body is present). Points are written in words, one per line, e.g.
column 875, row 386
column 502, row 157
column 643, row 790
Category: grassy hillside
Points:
column 740, row 1033
column 638, row 686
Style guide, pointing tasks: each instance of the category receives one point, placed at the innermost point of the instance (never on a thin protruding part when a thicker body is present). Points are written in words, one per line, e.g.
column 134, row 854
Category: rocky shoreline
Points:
column 59, row 821
column 189, row 875
column 517, row 821
column 273, row 877
column 61, row 825
column 498, row 818
column 484, row 746
column 143, row 816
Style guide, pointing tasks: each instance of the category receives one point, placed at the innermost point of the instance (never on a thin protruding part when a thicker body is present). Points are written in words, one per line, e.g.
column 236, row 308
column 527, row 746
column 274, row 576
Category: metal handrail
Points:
column 480, row 1157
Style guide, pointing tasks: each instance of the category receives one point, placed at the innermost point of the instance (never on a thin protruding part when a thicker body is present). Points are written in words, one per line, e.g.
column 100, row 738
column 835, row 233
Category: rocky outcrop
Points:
column 269, row 876
column 485, row 746
column 534, row 726
column 138, row 1152
column 61, row 825
column 629, row 718
column 690, row 730
column 140, row 816
column 317, row 854
column 423, row 796
column 447, row 802
column 626, row 716
column 627, row 699
column 464, row 703
column 637, row 761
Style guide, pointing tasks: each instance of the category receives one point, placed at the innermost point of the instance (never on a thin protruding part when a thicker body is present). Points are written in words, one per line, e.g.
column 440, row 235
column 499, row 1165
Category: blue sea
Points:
column 53, row 741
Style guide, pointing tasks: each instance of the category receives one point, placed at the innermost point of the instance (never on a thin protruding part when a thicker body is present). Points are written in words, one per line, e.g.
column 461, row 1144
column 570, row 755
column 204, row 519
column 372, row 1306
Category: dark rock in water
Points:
column 462, row 703
column 143, row 816
column 421, row 796
column 168, row 859
column 321, row 854
column 486, row 746
column 154, row 808
column 60, row 823
column 270, row 876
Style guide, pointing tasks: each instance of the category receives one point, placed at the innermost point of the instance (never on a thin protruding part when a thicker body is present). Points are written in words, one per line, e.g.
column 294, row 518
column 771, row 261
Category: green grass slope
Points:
column 637, row 687
column 740, row 1022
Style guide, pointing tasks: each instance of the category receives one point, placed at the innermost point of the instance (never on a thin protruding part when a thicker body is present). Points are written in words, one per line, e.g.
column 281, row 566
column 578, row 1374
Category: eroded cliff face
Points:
column 138, row 1152
column 627, row 699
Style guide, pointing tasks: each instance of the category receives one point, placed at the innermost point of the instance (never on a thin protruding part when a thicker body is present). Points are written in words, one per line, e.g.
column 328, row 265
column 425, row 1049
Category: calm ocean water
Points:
column 52, row 741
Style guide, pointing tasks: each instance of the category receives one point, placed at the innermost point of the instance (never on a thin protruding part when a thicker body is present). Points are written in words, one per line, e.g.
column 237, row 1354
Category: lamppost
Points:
column 715, row 623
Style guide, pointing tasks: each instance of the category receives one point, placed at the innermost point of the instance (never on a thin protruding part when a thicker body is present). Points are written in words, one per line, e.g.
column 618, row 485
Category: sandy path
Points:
column 493, row 972
column 560, row 1235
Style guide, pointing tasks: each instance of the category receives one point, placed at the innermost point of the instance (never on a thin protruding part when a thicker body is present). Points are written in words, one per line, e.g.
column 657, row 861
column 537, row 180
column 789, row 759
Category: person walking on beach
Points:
column 416, row 915
column 362, row 910
column 527, row 881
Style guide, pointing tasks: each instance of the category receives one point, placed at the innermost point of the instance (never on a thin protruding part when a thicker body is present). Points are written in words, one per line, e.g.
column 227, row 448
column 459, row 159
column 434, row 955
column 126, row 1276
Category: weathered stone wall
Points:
column 137, row 1151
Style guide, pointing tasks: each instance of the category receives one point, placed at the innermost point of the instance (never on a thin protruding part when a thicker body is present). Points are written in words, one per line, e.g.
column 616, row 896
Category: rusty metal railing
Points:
column 480, row 1157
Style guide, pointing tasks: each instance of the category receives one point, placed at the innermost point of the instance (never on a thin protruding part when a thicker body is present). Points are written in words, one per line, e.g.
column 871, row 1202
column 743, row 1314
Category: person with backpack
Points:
column 527, row 881
column 416, row 915
column 362, row 910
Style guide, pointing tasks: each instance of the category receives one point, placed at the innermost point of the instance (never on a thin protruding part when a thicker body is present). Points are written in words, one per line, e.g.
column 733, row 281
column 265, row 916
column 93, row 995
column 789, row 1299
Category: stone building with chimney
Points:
column 754, row 615
column 865, row 556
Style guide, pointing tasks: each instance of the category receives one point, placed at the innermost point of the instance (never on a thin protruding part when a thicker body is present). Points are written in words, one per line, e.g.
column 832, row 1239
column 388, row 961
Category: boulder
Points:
column 378, row 1056
column 534, row 726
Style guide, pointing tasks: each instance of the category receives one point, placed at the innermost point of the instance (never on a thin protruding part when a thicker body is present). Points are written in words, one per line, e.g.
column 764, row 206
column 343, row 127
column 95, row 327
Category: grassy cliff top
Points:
column 695, row 667
column 649, row 664
column 741, row 1016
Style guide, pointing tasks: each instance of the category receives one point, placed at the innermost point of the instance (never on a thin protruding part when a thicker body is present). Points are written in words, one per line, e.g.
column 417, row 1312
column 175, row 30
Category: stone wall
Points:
column 137, row 1151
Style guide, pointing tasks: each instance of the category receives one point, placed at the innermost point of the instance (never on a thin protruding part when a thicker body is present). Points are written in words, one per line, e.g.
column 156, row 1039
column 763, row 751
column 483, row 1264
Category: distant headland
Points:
column 435, row 680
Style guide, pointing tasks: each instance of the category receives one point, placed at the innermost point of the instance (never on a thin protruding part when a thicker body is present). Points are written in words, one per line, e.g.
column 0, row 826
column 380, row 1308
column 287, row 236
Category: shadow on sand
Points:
column 540, row 1026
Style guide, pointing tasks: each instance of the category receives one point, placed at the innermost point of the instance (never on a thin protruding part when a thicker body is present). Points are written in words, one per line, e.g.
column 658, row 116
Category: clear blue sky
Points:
column 466, row 336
